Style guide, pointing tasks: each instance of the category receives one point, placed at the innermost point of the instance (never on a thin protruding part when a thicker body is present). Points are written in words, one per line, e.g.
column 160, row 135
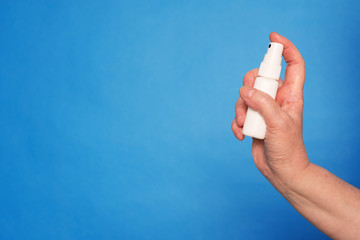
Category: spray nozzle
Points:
column 274, row 53
column 271, row 65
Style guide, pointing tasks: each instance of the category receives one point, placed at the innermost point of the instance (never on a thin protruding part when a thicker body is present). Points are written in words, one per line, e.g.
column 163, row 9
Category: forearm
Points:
column 329, row 203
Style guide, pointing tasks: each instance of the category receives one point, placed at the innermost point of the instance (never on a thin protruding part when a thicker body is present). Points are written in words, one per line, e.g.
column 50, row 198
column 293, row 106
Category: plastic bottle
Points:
column 269, row 73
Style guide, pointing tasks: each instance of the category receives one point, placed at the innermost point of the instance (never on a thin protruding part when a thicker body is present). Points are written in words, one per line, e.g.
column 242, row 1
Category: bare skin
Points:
column 329, row 203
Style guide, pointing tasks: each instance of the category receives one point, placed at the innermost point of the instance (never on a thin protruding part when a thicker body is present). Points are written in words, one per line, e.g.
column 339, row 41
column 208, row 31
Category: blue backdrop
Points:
column 115, row 116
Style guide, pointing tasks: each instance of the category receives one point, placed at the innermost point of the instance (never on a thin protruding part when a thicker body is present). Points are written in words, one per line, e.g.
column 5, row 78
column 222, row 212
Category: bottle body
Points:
column 254, row 125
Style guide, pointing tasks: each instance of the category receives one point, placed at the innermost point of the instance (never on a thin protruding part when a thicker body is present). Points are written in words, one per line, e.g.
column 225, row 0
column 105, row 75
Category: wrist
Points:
column 285, row 177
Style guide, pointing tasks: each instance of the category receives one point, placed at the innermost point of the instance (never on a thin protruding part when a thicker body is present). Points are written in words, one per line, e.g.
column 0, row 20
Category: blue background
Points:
column 115, row 116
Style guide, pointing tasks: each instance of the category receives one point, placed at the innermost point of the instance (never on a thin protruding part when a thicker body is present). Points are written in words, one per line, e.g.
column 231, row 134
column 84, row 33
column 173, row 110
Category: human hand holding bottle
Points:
column 329, row 203
column 282, row 153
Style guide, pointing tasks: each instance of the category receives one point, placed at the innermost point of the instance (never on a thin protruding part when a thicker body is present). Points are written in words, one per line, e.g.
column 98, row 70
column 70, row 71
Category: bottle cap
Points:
column 271, row 65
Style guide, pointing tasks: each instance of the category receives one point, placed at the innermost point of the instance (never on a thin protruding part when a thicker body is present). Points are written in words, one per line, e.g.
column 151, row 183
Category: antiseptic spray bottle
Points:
column 269, row 73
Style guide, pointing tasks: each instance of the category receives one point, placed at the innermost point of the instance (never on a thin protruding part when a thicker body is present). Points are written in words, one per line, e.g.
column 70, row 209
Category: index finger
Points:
column 295, row 68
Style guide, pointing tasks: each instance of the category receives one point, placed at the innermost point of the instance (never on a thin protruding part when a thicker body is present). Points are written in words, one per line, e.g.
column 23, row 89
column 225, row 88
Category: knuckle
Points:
column 300, row 60
column 246, row 79
column 249, row 76
column 233, row 127
column 264, row 99
column 280, row 123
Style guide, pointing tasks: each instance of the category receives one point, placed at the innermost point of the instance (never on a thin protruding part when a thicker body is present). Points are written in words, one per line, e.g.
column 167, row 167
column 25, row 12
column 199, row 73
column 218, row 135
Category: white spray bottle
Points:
column 269, row 73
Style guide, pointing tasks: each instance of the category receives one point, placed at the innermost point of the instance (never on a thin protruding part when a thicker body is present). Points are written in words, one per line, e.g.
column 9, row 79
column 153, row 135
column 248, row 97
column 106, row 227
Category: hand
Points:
column 329, row 203
column 281, row 155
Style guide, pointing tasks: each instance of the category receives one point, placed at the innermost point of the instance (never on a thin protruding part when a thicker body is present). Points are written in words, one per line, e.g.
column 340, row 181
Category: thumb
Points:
column 262, row 102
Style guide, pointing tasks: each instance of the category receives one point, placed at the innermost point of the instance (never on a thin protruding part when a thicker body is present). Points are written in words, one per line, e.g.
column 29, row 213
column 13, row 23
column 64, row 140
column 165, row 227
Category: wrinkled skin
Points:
column 282, row 153
column 329, row 203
